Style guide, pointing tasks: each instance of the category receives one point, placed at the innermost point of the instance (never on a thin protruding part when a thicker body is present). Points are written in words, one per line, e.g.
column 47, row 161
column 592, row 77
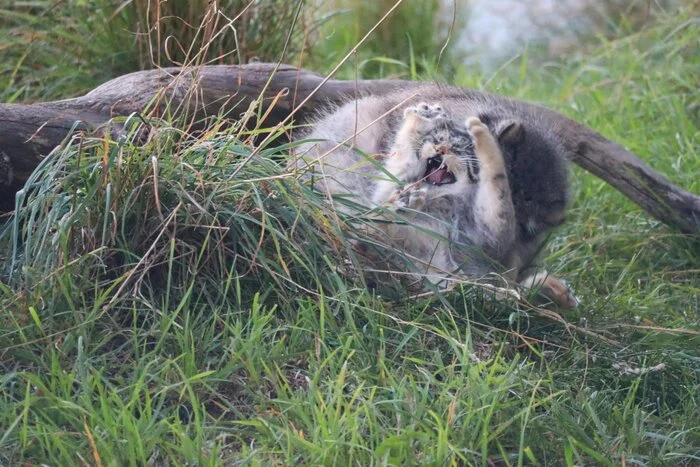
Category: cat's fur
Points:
column 435, row 180
column 355, row 133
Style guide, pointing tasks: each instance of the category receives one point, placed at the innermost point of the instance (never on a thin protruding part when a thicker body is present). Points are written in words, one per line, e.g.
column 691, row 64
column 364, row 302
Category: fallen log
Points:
column 29, row 132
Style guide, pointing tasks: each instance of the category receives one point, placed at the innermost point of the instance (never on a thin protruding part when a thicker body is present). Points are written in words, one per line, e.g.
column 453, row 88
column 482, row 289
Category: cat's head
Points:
column 449, row 152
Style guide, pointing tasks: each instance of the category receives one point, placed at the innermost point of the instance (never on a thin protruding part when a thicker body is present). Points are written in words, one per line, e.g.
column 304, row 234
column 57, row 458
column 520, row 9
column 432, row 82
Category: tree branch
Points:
column 29, row 132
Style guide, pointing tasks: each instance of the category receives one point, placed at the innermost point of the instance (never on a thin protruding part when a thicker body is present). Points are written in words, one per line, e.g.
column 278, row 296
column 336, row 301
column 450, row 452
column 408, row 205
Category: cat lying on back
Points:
column 457, row 188
column 474, row 198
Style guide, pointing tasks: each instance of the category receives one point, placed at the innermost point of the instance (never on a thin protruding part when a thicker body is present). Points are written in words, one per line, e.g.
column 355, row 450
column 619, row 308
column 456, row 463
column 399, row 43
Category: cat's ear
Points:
column 509, row 132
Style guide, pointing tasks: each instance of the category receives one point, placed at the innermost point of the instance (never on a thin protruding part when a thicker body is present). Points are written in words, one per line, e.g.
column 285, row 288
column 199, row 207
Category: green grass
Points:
column 57, row 49
column 187, row 301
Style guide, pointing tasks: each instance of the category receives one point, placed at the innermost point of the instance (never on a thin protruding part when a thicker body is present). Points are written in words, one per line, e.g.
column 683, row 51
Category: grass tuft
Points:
column 59, row 49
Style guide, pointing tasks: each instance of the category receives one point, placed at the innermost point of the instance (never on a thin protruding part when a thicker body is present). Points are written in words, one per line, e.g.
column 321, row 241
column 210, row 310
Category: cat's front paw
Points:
column 426, row 111
column 417, row 198
column 412, row 199
column 476, row 127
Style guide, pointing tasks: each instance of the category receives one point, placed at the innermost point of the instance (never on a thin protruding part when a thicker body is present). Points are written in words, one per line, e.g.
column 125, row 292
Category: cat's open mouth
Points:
column 437, row 173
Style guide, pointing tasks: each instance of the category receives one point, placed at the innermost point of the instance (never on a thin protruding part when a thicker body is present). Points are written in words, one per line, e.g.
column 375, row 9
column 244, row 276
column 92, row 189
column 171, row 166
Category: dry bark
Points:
column 29, row 132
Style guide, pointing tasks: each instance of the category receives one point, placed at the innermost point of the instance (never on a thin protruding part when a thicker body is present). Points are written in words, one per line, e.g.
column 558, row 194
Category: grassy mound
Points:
column 188, row 300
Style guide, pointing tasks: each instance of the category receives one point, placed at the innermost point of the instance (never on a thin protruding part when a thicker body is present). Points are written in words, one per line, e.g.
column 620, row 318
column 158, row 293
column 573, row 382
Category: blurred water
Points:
column 490, row 32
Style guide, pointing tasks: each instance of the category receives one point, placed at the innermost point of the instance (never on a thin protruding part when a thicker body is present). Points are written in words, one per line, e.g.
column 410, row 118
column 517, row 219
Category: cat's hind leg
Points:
column 552, row 288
